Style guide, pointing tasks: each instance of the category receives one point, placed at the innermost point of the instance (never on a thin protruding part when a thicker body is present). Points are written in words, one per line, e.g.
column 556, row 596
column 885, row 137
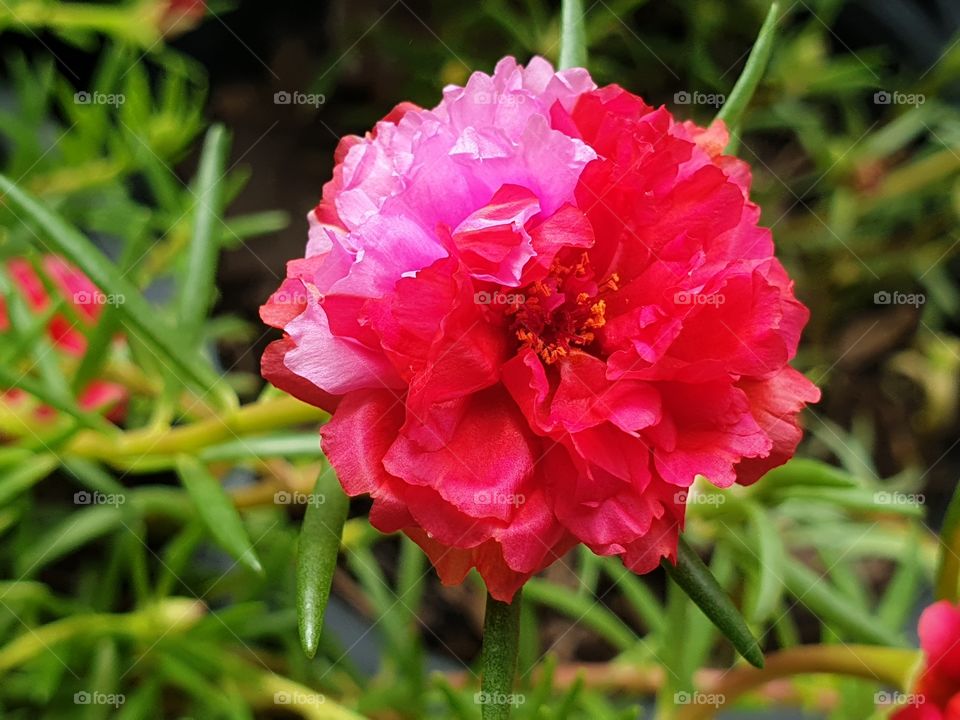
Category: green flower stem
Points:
column 573, row 35
column 169, row 617
column 67, row 180
column 301, row 699
column 250, row 419
column 629, row 677
column 891, row 666
column 149, row 624
column 265, row 690
column 498, row 662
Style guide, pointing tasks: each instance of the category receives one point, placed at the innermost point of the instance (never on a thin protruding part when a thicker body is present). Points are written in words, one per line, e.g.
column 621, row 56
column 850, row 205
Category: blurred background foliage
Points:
column 176, row 596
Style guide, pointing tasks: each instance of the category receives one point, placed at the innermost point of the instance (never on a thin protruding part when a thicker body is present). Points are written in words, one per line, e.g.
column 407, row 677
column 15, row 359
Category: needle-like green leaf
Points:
column 804, row 472
column 317, row 556
column 732, row 111
column 72, row 533
column 136, row 314
column 20, row 478
column 900, row 595
column 768, row 588
column 696, row 580
column 816, row 593
column 217, row 511
column 638, row 594
column 197, row 284
column 583, row 609
column 100, row 337
column 948, row 565
column 287, row 445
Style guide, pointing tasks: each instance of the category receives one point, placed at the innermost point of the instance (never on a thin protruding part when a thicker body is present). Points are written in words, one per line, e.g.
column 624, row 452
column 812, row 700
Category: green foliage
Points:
column 317, row 557
column 164, row 562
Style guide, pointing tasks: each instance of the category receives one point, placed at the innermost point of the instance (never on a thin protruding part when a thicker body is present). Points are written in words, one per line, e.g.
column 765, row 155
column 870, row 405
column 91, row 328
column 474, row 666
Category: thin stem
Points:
column 269, row 689
column 498, row 662
column 259, row 417
column 573, row 36
column 171, row 615
column 891, row 666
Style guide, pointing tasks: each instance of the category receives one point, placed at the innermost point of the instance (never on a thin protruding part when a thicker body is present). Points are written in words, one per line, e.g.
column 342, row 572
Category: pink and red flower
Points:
column 537, row 312
column 937, row 694
column 65, row 333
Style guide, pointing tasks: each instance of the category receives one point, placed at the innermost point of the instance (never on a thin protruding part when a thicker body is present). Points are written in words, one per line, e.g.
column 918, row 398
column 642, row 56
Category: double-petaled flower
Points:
column 937, row 692
column 537, row 313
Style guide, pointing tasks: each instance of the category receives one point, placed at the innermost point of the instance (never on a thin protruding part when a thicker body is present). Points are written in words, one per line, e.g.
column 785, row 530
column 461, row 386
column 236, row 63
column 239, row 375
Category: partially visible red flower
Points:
column 181, row 15
column 68, row 339
column 538, row 311
column 937, row 693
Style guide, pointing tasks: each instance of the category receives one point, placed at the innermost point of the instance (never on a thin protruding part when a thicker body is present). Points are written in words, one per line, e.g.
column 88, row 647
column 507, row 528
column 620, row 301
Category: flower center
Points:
column 563, row 311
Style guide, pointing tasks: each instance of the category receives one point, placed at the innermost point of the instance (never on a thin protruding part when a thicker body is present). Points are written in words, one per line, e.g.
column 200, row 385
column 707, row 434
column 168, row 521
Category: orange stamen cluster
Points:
column 553, row 330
